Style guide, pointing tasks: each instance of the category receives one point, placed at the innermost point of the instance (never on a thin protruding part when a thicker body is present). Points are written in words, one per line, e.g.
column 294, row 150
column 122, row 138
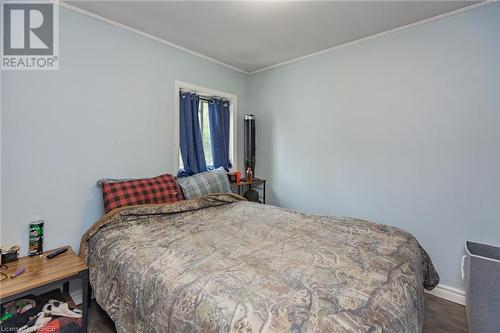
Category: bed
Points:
column 222, row 264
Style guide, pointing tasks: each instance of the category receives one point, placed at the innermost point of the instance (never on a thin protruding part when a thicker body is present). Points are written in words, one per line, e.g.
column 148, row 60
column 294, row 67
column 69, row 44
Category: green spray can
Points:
column 36, row 238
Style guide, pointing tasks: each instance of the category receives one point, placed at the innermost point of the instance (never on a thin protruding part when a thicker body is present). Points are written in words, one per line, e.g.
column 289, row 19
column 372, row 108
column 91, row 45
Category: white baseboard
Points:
column 448, row 293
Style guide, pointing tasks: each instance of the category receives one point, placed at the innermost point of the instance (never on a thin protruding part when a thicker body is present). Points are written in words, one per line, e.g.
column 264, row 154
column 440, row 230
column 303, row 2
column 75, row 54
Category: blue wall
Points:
column 402, row 129
column 107, row 112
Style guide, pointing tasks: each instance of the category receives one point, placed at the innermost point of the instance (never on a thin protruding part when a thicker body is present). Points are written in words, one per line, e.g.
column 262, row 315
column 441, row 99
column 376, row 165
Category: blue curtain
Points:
column 219, row 115
column 191, row 144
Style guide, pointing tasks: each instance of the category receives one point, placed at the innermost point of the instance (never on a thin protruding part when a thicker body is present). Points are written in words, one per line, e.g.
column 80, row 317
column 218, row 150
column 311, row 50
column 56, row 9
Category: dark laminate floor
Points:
column 443, row 316
column 440, row 317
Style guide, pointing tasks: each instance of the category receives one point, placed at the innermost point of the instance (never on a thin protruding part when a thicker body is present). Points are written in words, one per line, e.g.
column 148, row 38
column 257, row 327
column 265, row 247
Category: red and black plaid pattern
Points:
column 161, row 189
column 62, row 325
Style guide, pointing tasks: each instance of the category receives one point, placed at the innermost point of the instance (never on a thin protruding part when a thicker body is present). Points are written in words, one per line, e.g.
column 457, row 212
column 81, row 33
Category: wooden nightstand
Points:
column 256, row 183
column 42, row 272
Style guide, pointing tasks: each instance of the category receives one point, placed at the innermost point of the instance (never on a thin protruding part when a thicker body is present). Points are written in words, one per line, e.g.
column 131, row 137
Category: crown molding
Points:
column 310, row 55
column 145, row 34
column 404, row 27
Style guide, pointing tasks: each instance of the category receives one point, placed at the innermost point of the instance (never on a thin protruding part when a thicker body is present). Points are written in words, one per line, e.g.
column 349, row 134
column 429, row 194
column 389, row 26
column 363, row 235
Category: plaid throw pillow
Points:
column 214, row 181
column 161, row 189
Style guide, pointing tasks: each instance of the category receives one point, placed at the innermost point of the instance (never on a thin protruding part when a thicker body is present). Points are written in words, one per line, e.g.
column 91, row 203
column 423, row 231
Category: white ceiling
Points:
column 251, row 35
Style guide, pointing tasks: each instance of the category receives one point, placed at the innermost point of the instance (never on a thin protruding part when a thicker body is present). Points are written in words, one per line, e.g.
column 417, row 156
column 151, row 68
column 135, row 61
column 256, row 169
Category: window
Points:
column 204, row 120
column 205, row 134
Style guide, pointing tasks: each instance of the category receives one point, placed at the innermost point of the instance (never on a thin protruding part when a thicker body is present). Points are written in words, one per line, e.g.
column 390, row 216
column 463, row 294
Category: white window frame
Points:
column 207, row 92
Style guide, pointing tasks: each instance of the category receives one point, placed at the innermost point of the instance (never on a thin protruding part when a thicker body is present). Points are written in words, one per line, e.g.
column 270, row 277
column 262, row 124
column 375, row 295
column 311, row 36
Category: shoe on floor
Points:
column 57, row 308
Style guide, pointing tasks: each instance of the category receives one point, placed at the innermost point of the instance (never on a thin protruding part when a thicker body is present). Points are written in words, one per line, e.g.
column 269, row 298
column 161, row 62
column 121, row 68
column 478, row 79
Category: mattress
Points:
column 222, row 264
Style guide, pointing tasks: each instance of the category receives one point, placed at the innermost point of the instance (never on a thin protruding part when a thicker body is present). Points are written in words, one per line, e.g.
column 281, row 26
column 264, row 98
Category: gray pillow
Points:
column 213, row 181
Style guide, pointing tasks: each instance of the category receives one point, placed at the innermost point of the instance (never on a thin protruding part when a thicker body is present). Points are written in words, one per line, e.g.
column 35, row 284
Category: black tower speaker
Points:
column 250, row 142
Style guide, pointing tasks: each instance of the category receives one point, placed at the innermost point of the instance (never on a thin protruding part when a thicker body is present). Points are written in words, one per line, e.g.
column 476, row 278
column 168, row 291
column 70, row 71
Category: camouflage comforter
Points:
column 222, row 264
